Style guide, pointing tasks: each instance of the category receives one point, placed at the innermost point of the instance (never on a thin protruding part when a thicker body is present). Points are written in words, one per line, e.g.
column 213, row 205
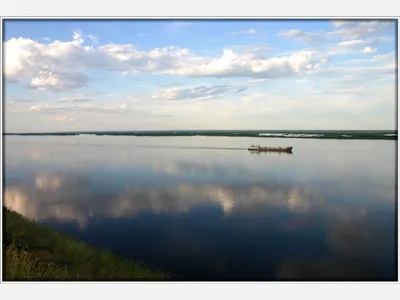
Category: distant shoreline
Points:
column 302, row 134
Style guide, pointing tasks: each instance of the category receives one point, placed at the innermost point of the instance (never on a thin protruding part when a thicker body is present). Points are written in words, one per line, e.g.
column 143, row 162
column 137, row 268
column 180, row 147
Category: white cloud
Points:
column 43, row 63
column 63, row 118
column 63, row 110
column 232, row 64
column 200, row 92
column 78, row 36
column 369, row 50
column 58, row 81
column 350, row 33
column 34, row 108
column 361, row 42
column 246, row 32
column 93, row 38
column 350, row 47
column 385, row 58
column 301, row 36
column 70, row 100
column 21, row 100
column 306, row 82
column 360, row 29
column 338, row 23
column 255, row 50
column 351, row 43
column 64, row 61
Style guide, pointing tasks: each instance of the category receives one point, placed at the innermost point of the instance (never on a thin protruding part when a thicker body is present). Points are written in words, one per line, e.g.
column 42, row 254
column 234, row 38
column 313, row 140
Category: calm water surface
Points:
column 206, row 208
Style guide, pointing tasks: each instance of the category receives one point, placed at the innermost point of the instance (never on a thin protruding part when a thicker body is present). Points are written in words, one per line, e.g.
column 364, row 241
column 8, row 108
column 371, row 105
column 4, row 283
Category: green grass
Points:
column 35, row 251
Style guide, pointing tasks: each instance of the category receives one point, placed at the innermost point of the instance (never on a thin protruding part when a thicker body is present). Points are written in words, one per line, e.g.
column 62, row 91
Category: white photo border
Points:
column 174, row 9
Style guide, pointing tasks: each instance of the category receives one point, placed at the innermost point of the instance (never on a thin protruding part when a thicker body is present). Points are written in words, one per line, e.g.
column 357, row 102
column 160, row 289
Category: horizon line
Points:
column 202, row 130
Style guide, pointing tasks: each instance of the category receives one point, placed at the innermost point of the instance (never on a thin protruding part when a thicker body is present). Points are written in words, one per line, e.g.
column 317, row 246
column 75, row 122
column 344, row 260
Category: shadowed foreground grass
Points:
column 34, row 251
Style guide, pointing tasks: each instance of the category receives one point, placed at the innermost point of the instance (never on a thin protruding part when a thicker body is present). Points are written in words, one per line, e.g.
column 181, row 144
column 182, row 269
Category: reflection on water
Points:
column 325, row 212
column 69, row 198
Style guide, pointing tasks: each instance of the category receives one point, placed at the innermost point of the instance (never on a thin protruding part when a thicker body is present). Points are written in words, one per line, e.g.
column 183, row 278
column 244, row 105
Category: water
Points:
column 204, row 208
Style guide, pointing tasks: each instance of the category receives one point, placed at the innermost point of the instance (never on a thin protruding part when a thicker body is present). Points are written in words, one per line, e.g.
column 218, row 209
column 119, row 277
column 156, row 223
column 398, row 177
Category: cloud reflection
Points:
column 50, row 197
column 47, row 183
column 68, row 197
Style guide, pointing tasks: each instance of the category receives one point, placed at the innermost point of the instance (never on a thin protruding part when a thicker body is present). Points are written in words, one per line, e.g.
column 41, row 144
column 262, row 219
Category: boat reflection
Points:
column 257, row 152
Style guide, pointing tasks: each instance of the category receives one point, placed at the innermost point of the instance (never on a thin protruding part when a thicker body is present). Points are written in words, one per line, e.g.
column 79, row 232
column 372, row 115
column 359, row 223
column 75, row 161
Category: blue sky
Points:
column 65, row 75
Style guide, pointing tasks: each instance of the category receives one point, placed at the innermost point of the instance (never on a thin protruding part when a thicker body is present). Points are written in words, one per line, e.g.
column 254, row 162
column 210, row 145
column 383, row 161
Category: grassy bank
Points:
column 34, row 251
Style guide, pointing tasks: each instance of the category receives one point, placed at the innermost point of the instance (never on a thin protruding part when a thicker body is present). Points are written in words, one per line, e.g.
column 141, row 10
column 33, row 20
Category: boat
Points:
column 258, row 148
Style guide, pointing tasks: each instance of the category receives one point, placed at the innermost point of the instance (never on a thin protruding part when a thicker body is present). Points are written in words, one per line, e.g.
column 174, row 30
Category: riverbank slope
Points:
column 34, row 251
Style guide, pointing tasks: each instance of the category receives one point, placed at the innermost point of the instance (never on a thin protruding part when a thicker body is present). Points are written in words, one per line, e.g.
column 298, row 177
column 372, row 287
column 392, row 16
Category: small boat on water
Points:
column 258, row 148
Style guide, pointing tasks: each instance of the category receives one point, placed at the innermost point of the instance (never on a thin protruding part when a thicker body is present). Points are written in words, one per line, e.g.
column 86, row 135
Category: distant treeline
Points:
column 316, row 134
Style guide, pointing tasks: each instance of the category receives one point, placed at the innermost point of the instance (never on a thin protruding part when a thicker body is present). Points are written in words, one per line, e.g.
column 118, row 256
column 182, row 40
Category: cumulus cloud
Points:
column 58, row 81
column 35, row 108
column 25, row 57
column 58, row 66
column 232, row 64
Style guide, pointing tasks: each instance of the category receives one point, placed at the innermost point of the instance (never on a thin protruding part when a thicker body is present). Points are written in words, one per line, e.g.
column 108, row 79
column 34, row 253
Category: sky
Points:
column 66, row 75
